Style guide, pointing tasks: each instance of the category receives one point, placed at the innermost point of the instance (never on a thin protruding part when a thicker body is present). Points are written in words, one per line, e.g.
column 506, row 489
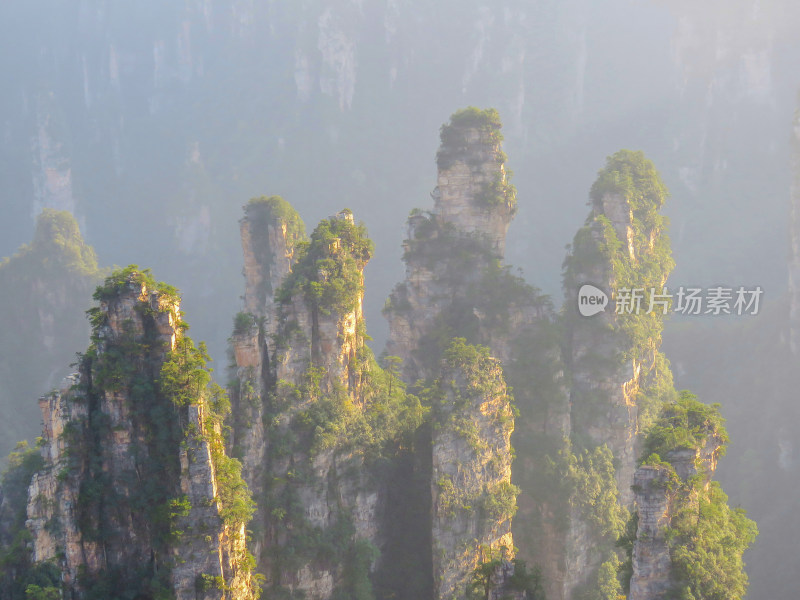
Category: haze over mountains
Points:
column 153, row 123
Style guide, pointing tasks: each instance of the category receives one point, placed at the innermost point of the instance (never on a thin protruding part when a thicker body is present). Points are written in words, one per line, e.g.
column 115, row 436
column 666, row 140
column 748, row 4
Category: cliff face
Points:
column 614, row 355
column 453, row 253
column 682, row 513
column 301, row 366
column 618, row 377
column 473, row 498
column 136, row 492
column 270, row 231
column 361, row 492
column 456, row 286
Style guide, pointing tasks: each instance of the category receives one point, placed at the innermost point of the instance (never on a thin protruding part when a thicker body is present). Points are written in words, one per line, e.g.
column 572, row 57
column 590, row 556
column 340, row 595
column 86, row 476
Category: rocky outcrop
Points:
column 659, row 494
column 603, row 371
column 618, row 377
column 452, row 250
column 473, row 498
column 301, row 345
column 135, row 489
column 457, row 286
column 271, row 230
column 652, row 566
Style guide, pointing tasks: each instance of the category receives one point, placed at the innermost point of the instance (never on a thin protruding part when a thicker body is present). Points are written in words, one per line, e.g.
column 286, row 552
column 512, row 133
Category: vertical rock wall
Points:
column 104, row 458
column 473, row 499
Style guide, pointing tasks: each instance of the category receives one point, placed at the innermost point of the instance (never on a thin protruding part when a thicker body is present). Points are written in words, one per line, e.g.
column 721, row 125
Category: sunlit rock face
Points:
column 279, row 342
column 99, row 454
column 657, row 500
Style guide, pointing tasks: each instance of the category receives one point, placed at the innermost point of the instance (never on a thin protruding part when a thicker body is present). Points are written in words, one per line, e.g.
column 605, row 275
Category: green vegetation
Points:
column 498, row 192
column 384, row 416
column 706, row 537
column 243, row 323
column 19, row 578
column 454, row 134
column 263, row 214
column 265, row 211
column 483, row 581
column 58, row 243
column 46, row 285
column 157, row 385
column 328, row 268
column 122, row 281
column 592, row 476
column 477, row 366
column 685, row 424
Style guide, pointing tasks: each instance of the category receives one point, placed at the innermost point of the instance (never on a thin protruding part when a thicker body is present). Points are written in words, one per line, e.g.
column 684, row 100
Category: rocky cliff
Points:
column 684, row 527
column 473, row 498
column 618, row 377
column 136, row 492
column 392, row 479
column 455, row 283
column 359, row 481
column 309, row 390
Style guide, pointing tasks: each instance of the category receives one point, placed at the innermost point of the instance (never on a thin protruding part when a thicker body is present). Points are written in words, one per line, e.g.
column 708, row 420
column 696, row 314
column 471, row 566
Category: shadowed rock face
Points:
column 100, row 455
column 471, row 473
column 449, row 249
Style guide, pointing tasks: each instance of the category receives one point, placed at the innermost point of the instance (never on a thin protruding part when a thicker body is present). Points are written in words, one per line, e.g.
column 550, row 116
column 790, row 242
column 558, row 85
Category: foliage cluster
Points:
column 498, row 192
column 481, row 371
column 328, row 268
column 264, row 211
column 454, row 134
column 482, row 581
column 243, row 322
column 384, row 416
column 685, row 424
column 122, row 281
column 706, row 537
column 592, row 478
column 19, row 578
